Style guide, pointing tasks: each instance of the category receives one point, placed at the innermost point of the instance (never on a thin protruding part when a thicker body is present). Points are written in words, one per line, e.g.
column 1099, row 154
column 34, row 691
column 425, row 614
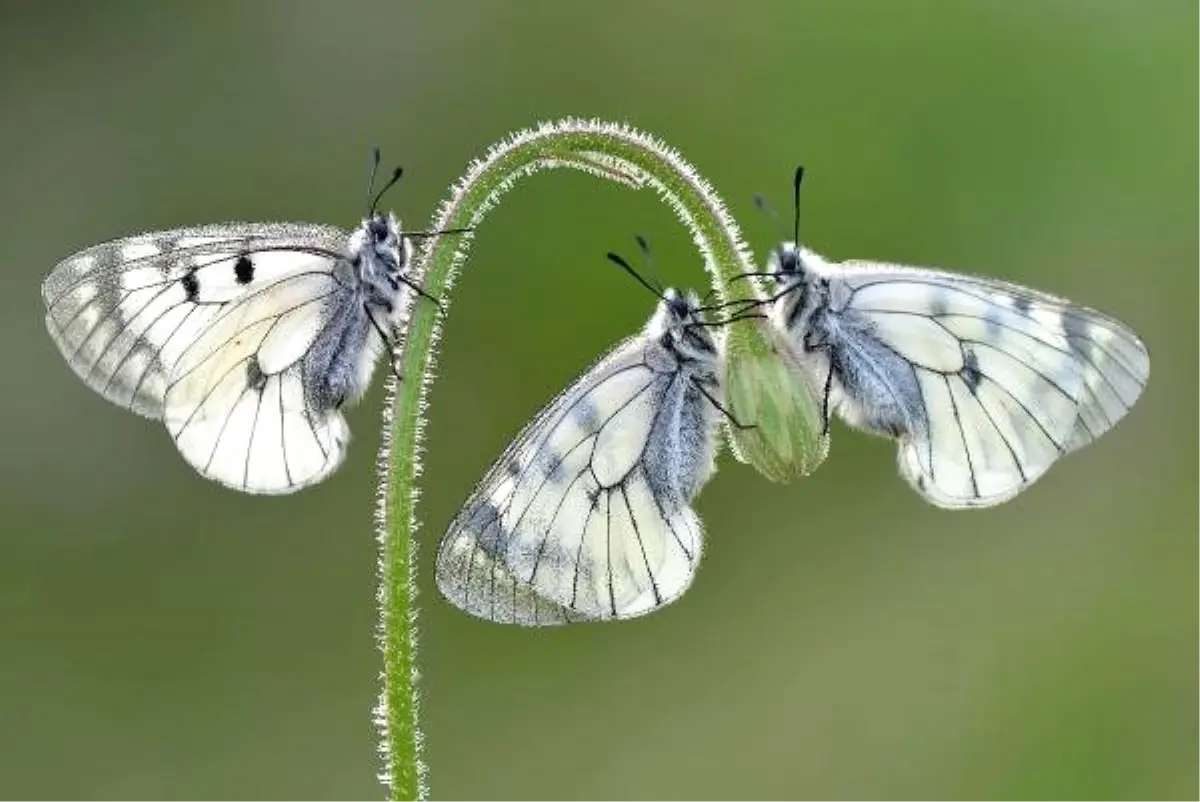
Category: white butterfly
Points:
column 983, row 383
column 246, row 339
column 587, row 515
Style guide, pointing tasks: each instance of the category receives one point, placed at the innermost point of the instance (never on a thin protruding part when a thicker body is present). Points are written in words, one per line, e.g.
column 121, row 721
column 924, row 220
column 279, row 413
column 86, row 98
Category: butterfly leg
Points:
column 812, row 344
column 825, row 400
column 722, row 409
column 387, row 341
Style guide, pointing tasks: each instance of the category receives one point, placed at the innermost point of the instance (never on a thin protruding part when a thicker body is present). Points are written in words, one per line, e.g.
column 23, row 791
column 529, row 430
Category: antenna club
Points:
column 799, row 177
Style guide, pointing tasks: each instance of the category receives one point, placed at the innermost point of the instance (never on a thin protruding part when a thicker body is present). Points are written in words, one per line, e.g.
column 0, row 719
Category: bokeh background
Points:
column 163, row 637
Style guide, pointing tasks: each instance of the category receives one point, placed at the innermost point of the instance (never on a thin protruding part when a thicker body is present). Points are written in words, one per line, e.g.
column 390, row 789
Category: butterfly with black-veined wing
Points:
column 587, row 515
column 984, row 383
column 245, row 339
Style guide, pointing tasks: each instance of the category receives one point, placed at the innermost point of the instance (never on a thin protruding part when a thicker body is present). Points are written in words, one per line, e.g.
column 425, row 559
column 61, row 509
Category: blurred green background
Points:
column 163, row 637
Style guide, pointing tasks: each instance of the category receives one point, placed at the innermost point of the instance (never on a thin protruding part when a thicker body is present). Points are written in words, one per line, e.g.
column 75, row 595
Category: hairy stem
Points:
column 613, row 152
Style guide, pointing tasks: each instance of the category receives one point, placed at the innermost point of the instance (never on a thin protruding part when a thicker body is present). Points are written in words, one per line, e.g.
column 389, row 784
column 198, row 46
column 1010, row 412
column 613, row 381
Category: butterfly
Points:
column 245, row 339
column 587, row 515
column 983, row 383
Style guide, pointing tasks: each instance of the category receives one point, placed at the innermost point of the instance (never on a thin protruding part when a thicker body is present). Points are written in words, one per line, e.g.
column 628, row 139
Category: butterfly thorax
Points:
column 682, row 334
column 804, row 295
column 379, row 254
column 861, row 378
column 344, row 357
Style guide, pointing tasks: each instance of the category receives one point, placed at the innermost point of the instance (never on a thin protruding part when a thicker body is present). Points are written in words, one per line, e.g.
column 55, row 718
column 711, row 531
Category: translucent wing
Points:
column 583, row 517
column 1008, row 379
column 206, row 328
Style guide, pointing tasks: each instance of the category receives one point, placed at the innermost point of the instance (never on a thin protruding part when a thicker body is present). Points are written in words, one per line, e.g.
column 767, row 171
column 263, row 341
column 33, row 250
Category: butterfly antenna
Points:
column 616, row 259
column 644, row 247
column 371, row 172
column 764, row 206
column 399, row 171
column 796, row 204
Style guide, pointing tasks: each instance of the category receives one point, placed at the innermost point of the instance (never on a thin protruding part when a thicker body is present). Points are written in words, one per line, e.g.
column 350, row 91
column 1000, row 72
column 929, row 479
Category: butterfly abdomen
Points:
column 341, row 358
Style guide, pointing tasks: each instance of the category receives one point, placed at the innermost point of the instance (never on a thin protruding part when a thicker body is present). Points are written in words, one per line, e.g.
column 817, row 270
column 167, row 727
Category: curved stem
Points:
column 613, row 152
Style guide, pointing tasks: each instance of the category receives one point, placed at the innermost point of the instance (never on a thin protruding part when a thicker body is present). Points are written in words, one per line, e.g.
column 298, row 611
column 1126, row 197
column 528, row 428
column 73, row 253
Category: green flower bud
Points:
column 778, row 409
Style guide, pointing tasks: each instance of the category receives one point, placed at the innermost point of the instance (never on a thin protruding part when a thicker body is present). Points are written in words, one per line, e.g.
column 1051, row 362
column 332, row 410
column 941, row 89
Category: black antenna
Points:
column 765, row 207
column 644, row 246
column 399, row 171
column 374, row 197
column 626, row 267
column 371, row 171
column 796, row 204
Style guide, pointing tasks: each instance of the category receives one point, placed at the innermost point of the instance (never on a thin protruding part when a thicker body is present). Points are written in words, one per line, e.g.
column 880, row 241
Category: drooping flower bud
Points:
column 778, row 409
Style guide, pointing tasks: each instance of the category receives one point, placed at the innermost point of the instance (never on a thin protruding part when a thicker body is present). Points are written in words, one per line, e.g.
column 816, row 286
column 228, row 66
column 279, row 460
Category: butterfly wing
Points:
column 1009, row 379
column 206, row 328
column 580, row 519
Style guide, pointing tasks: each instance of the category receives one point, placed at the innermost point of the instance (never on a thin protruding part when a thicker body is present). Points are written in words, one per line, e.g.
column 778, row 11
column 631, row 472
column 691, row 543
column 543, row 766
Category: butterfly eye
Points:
column 789, row 262
column 379, row 228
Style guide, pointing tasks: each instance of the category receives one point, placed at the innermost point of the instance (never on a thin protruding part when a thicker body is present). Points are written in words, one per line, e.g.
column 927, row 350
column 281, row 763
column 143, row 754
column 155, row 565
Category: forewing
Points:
column 122, row 312
column 1010, row 378
column 568, row 524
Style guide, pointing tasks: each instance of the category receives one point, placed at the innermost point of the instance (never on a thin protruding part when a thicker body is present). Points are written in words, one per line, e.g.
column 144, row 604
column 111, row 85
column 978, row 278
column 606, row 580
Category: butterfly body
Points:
column 983, row 383
column 587, row 515
column 246, row 339
column 346, row 351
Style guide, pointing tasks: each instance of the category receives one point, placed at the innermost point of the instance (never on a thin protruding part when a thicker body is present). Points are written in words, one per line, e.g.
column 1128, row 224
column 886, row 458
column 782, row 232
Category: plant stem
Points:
column 613, row 152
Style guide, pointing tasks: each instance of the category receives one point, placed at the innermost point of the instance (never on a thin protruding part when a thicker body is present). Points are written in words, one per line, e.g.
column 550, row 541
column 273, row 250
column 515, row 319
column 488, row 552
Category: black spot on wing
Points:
column 1080, row 336
column 992, row 323
column 1022, row 303
column 256, row 380
column 489, row 533
column 243, row 270
column 551, row 467
column 938, row 305
column 970, row 370
column 191, row 285
column 586, row 416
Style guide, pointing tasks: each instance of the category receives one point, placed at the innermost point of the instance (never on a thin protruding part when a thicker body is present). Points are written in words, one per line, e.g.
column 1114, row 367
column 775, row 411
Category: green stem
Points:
column 613, row 152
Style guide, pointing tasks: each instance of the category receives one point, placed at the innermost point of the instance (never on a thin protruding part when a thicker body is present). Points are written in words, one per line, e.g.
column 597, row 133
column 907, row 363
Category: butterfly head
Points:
column 790, row 263
column 680, row 327
column 379, row 244
column 677, row 324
